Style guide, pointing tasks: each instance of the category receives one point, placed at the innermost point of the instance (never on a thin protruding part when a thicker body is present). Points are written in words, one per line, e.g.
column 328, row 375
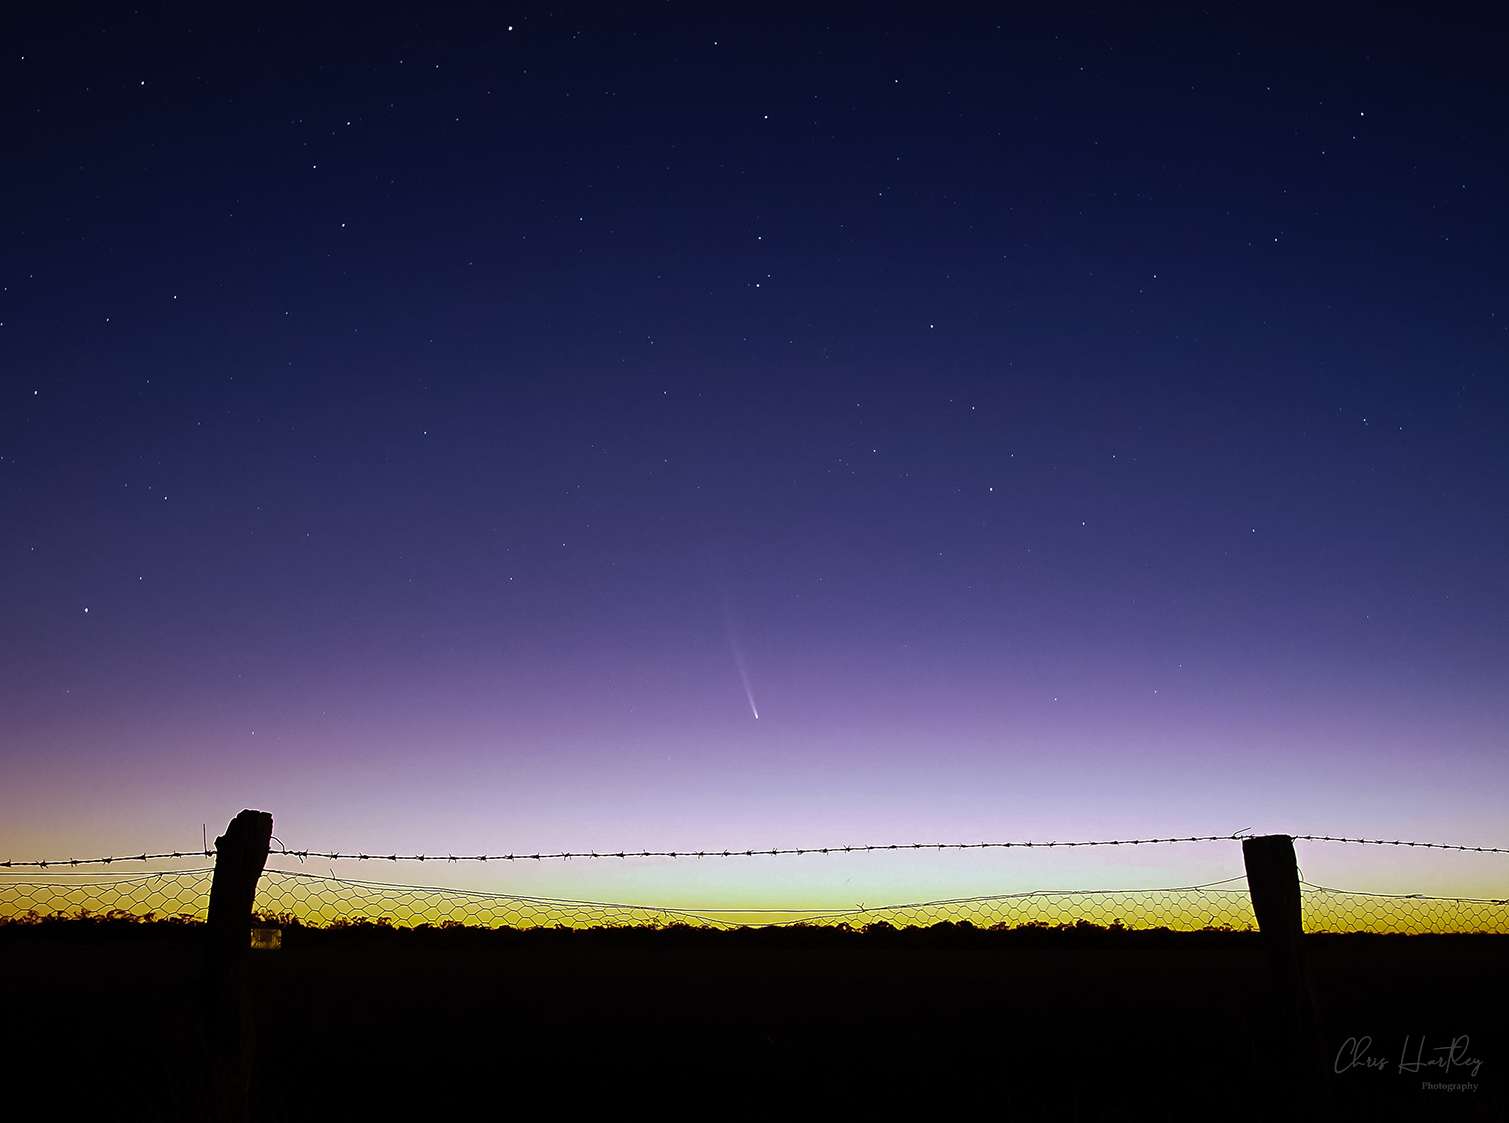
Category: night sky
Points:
column 450, row 433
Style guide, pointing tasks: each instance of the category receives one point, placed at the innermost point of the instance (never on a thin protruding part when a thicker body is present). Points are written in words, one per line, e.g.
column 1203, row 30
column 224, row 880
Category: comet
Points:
column 743, row 673
column 738, row 654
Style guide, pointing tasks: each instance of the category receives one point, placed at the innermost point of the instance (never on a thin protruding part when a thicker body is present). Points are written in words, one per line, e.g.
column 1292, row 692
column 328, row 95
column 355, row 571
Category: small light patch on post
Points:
column 266, row 939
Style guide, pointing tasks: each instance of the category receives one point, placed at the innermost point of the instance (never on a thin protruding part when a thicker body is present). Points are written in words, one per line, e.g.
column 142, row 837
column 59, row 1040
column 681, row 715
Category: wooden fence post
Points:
column 240, row 854
column 1273, row 881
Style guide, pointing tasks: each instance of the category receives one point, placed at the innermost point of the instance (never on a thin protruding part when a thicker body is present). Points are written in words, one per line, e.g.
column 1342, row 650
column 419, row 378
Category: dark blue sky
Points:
column 1062, row 418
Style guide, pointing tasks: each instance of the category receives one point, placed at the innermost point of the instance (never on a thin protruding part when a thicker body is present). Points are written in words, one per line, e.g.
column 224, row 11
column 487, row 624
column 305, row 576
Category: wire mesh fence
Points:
column 182, row 894
column 318, row 900
column 325, row 900
column 1336, row 910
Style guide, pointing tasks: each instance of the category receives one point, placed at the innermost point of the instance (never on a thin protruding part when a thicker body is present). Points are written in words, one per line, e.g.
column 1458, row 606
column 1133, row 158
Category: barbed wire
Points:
column 727, row 853
column 748, row 853
column 1401, row 842
column 59, row 862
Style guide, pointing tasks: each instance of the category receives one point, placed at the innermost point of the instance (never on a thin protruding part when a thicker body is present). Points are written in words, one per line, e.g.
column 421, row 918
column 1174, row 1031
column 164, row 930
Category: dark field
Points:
column 1089, row 1024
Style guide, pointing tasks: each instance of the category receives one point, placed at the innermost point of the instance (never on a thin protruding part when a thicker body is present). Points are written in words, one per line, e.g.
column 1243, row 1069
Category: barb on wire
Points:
column 334, row 855
column 1401, row 842
column 748, row 853
column 73, row 862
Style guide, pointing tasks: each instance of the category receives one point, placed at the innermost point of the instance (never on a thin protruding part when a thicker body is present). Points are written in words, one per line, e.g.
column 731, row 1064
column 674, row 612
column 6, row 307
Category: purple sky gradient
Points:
column 1073, row 429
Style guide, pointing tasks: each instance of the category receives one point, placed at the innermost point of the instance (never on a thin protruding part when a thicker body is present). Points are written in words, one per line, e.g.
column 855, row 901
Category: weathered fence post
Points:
column 1273, row 880
column 240, row 854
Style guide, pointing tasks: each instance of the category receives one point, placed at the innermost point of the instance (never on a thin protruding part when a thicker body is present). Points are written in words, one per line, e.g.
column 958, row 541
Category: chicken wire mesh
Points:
column 321, row 900
column 156, row 895
column 318, row 900
column 1336, row 910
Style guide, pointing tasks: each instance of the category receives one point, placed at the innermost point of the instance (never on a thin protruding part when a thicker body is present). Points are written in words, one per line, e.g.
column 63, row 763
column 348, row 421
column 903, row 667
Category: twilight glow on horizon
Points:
column 664, row 430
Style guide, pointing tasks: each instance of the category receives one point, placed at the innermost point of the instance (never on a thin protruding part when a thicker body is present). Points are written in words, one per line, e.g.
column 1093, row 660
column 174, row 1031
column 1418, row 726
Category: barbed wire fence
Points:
column 334, row 855
column 37, row 890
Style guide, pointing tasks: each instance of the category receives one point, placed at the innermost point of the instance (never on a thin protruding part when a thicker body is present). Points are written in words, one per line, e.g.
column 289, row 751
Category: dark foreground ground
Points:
column 101, row 1021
